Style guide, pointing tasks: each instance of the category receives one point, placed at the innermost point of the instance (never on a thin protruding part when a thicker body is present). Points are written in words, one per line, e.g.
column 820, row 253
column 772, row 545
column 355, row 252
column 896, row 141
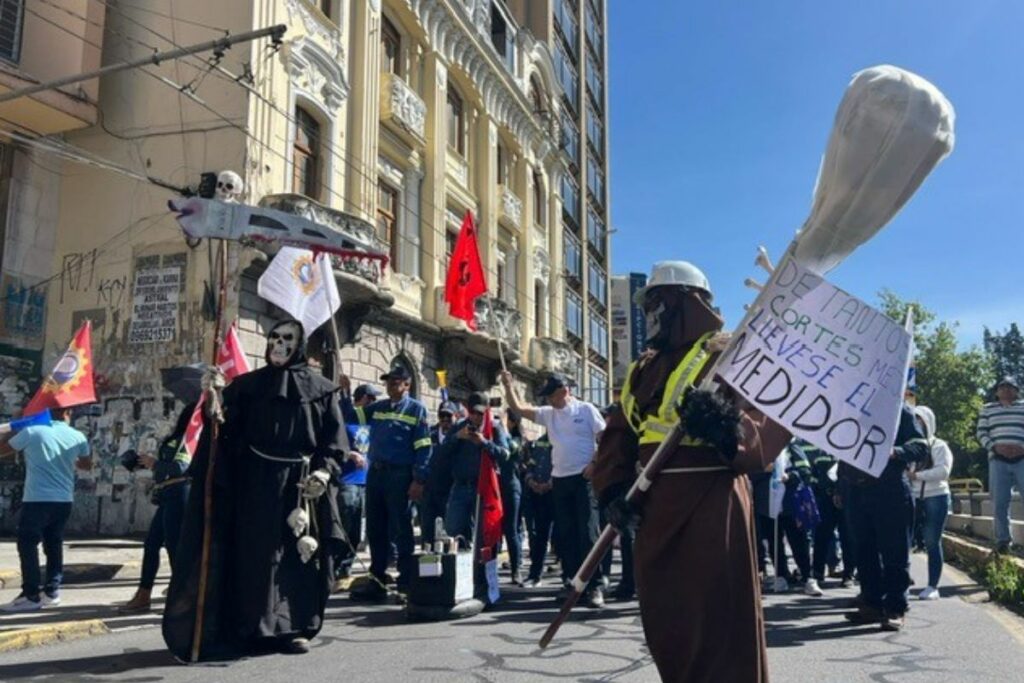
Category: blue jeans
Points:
column 164, row 531
column 458, row 518
column 511, row 496
column 42, row 522
column 1001, row 476
column 351, row 498
column 935, row 510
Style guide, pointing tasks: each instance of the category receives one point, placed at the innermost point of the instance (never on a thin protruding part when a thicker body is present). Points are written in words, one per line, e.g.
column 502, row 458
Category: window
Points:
column 387, row 218
column 450, row 236
column 307, row 155
column 573, row 314
column 594, row 29
column 565, row 21
column 572, row 256
column 539, row 309
column 571, row 200
column 537, row 96
column 11, row 16
column 597, row 281
column 502, row 38
column 595, row 179
column 595, row 80
column 503, row 161
column 540, row 198
column 598, row 342
column 456, row 123
column 598, row 387
column 390, row 48
column 325, row 7
column 568, row 77
column 508, row 270
column 595, row 131
column 502, row 271
column 595, row 230
column 570, row 139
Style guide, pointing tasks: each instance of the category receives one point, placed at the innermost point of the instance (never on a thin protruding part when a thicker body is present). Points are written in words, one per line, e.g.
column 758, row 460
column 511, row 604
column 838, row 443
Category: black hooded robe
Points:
column 258, row 588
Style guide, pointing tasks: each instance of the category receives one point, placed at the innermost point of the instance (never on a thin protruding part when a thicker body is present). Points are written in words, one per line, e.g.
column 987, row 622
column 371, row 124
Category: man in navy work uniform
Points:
column 399, row 459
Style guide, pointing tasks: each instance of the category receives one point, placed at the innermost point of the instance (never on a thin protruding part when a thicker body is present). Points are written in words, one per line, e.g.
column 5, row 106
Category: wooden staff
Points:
column 204, row 564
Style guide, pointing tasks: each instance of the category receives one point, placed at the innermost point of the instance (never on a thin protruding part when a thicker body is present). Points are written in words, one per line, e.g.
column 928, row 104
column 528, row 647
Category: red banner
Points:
column 71, row 382
column 487, row 487
column 466, row 280
column 230, row 358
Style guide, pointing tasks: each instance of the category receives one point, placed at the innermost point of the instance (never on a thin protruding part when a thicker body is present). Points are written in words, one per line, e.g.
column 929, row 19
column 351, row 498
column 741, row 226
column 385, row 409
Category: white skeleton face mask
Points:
column 229, row 187
column 653, row 320
column 282, row 342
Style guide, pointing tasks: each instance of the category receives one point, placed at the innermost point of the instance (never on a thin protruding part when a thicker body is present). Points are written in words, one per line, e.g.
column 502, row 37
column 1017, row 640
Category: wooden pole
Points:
column 204, row 565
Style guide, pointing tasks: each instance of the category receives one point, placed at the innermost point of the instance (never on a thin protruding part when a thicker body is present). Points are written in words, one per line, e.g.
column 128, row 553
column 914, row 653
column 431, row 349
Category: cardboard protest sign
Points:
column 822, row 363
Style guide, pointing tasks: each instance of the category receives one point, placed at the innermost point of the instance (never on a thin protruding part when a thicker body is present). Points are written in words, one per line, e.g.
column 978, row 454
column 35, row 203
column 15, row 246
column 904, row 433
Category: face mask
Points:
column 282, row 343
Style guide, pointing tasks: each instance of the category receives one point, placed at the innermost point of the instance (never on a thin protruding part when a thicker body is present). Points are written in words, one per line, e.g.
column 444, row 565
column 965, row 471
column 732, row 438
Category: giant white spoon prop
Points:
column 892, row 128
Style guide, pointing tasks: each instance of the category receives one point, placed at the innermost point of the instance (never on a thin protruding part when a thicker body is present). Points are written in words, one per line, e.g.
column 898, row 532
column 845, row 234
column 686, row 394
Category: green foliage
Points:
column 1007, row 352
column 952, row 383
column 1004, row 580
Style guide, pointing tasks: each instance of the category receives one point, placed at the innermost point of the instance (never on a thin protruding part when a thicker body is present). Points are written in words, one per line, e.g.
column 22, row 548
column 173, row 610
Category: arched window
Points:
column 456, row 122
column 537, row 95
column 539, row 199
column 539, row 309
column 307, row 160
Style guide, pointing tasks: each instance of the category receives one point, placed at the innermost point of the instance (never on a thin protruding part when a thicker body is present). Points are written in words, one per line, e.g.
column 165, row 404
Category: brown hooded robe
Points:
column 696, row 566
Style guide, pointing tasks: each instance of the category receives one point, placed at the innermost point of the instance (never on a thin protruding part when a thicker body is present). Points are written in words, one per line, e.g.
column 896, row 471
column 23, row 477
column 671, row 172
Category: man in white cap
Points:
column 1001, row 432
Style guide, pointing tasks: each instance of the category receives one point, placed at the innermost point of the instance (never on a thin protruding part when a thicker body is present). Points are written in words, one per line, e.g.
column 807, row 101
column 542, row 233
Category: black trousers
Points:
column 881, row 519
column 389, row 517
column 164, row 532
column 539, row 510
column 832, row 521
column 577, row 521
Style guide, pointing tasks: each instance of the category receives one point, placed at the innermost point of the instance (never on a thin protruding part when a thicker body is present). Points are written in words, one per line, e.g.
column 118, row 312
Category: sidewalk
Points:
column 99, row 574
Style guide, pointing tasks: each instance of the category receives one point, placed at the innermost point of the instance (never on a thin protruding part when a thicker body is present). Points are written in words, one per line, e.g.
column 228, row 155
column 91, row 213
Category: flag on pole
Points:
column 465, row 281
column 190, row 442
column 488, row 489
column 296, row 283
column 442, row 384
column 230, row 358
column 71, row 381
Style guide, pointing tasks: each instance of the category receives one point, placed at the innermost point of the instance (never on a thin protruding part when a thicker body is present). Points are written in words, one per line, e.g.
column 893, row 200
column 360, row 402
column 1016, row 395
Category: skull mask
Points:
column 283, row 343
column 229, row 187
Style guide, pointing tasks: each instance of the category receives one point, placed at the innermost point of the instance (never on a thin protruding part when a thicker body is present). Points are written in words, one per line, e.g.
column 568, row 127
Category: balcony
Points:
column 403, row 109
column 458, row 169
column 511, row 206
column 361, row 277
column 42, row 45
column 553, row 355
column 506, row 324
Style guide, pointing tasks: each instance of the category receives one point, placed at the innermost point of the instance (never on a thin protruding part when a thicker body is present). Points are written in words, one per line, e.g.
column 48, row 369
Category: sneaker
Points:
column 50, row 599
column 846, row 582
column 296, row 646
column 929, row 593
column 516, row 578
column 594, row 598
column 532, row 582
column 780, row 585
column 865, row 615
column 812, row 588
column 22, row 604
column 893, row 622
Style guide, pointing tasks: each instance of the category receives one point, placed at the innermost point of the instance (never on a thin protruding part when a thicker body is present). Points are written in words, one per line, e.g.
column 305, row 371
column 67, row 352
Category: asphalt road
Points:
column 957, row 639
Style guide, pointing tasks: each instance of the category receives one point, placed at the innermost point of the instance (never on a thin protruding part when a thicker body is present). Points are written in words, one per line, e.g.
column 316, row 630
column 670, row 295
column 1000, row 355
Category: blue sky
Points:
column 720, row 111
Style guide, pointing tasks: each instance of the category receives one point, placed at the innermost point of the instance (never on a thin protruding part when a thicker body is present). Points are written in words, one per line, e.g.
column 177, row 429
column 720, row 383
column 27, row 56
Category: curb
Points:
column 971, row 550
column 24, row 638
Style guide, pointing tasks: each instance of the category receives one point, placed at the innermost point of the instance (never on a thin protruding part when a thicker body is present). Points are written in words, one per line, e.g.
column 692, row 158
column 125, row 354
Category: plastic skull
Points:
column 282, row 342
column 229, row 187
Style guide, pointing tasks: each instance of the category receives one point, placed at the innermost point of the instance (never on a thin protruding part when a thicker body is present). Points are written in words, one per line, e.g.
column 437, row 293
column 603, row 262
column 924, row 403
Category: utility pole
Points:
column 217, row 46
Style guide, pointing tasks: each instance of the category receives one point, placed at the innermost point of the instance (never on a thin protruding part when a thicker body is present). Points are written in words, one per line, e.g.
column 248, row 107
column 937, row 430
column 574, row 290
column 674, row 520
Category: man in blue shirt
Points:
column 399, row 463
column 50, row 455
column 352, row 488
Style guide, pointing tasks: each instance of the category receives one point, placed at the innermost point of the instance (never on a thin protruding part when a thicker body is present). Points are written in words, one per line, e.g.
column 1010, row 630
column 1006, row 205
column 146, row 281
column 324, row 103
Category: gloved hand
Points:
column 213, row 378
column 315, row 485
column 713, row 419
column 625, row 517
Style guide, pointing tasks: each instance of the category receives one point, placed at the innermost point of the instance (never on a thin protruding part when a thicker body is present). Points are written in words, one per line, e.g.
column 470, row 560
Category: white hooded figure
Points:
column 930, row 486
column 230, row 187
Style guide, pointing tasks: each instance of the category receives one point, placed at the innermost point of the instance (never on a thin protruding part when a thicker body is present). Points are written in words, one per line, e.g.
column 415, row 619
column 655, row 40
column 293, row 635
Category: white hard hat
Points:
column 678, row 273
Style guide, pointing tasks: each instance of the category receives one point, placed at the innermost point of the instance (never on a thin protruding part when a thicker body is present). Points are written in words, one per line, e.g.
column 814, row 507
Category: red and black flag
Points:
column 466, row 280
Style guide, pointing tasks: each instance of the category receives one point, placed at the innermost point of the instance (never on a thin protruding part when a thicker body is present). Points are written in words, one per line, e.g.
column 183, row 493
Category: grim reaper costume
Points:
column 694, row 554
column 274, row 512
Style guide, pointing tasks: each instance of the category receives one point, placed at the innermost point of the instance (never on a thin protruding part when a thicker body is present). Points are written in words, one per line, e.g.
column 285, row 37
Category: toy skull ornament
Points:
column 282, row 342
column 307, row 546
column 229, row 187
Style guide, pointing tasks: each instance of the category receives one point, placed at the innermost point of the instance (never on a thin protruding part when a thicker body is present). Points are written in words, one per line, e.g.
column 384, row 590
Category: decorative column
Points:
column 412, row 227
column 555, row 243
column 364, row 121
column 434, row 200
column 483, row 167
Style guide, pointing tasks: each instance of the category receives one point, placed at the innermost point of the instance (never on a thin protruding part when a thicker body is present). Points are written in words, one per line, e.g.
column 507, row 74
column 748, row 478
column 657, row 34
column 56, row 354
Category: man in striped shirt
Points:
column 1001, row 432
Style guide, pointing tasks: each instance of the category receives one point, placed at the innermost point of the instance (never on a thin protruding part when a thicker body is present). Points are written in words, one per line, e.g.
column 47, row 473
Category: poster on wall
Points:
column 155, row 297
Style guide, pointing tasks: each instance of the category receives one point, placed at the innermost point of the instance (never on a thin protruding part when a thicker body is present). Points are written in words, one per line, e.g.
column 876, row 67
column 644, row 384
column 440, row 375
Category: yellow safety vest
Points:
column 654, row 428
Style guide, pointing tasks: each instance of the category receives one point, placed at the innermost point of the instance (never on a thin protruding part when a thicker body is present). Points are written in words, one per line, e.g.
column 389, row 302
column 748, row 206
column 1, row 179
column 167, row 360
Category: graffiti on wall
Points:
column 22, row 312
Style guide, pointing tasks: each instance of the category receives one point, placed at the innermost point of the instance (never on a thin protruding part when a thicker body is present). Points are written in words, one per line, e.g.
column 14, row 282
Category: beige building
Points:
column 386, row 120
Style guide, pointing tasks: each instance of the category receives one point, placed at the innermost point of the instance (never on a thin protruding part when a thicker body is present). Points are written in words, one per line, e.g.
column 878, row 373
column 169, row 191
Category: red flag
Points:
column 190, row 441
column 487, row 488
column 466, row 280
column 230, row 358
column 71, row 382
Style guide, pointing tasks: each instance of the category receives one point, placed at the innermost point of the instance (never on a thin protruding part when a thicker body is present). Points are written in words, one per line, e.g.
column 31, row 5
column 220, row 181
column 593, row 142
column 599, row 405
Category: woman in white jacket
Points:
column 930, row 485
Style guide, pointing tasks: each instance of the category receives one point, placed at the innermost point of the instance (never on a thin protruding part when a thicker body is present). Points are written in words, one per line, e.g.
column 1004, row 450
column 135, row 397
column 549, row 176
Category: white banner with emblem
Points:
column 824, row 364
